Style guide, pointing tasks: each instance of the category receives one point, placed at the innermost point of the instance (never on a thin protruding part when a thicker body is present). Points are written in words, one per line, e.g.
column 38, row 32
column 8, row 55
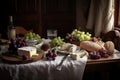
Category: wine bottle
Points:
column 11, row 29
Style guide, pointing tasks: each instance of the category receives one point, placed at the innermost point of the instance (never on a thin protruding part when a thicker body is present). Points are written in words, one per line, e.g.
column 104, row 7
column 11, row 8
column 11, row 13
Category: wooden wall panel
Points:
column 27, row 13
column 25, row 6
column 60, row 15
column 41, row 15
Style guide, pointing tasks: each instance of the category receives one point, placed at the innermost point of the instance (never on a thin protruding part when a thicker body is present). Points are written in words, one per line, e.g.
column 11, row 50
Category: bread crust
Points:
column 90, row 46
column 109, row 46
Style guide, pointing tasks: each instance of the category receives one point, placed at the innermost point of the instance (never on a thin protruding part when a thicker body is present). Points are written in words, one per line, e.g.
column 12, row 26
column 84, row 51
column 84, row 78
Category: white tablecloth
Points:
column 44, row 70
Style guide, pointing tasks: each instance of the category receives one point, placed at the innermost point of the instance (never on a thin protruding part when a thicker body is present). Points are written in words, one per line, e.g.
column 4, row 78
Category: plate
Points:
column 67, row 51
column 14, row 59
column 32, row 42
column 4, row 42
column 63, row 52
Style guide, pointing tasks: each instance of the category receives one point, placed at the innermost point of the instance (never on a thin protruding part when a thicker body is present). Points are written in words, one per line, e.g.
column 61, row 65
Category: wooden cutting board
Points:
column 14, row 59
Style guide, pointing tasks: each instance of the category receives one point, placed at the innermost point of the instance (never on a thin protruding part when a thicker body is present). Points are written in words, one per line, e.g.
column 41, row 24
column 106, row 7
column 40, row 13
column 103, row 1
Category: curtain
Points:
column 100, row 16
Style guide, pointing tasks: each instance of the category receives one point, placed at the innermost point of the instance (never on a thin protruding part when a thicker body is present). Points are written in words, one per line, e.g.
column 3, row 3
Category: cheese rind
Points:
column 27, row 51
column 78, row 55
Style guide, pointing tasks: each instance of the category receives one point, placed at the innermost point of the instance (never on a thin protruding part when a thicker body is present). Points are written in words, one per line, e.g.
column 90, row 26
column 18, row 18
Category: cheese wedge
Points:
column 27, row 51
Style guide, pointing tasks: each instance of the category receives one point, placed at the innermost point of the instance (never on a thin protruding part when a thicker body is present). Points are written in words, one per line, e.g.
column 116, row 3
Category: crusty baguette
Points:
column 90, row 46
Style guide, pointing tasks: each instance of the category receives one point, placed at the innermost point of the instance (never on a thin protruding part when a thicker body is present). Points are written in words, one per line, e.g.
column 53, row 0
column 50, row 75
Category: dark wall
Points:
column 59, row 15
column 5, row 11
column 39, row 15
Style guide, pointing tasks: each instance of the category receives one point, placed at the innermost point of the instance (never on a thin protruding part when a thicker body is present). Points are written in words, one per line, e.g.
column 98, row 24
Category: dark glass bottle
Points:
column 11, row 29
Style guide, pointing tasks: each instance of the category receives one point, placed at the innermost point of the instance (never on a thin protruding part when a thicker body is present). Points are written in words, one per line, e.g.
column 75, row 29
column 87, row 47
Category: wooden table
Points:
column 103, row 69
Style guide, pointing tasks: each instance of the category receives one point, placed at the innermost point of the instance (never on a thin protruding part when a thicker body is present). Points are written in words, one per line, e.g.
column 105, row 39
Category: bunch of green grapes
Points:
column 77, row 35
column 57, row 41
column 32, row 36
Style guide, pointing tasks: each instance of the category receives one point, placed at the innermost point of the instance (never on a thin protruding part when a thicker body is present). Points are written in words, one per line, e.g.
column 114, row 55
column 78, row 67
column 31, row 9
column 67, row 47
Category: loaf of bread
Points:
column 90, row 46
column 109, row 46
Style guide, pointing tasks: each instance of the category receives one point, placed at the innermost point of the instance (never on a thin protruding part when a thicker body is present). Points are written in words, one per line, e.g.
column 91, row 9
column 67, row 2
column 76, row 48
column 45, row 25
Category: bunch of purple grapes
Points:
column 51, row 54
column 98, row 54
column 70, row 37
column 15, row 44
column 94, row 55
column 13, row 47
column 21, row 42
